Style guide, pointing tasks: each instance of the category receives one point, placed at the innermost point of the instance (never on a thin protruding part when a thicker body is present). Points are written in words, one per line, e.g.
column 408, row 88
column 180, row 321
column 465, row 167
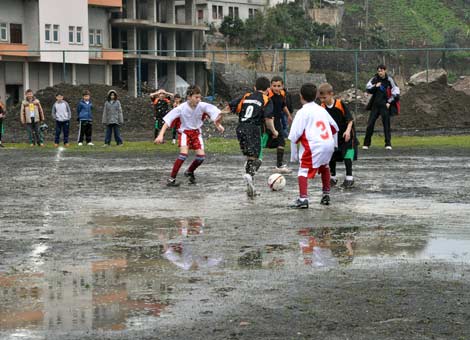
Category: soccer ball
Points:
column 276, row 182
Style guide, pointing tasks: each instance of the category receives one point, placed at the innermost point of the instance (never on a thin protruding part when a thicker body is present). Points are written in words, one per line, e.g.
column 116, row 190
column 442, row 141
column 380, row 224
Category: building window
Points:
column 220, row 12
column 230, row 11
column 78, row 35
column 200, row 14
column 47, row 33
column 237, row 14
column 98, row 36
column 3, row 32
column 250, row 12
column 71, row 34
column 16, row 34
column 91, row 37
column 214, row 12
column 55, row 33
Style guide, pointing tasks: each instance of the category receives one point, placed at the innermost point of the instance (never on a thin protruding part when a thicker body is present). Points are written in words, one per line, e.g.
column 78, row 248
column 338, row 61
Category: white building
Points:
column 213, row 12
column 34, row 34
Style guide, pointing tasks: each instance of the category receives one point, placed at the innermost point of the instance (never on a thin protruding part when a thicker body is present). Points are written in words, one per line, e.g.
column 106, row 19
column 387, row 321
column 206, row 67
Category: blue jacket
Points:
column 84, row 110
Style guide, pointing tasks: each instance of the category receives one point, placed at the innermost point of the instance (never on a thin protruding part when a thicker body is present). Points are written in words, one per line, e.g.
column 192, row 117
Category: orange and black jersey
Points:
column 161, row 107
column 341, row 114
column 252, row 108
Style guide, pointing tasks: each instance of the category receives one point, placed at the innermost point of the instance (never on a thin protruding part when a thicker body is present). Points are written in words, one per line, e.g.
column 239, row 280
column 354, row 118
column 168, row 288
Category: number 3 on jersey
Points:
column 248, row 113
column 322, row 127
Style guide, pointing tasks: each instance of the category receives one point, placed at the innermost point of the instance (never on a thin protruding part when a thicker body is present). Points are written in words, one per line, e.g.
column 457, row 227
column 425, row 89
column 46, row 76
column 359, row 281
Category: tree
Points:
column 232, row 28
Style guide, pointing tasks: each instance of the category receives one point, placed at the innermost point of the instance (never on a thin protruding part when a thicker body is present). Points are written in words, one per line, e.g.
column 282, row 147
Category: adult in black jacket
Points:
column 384, row 94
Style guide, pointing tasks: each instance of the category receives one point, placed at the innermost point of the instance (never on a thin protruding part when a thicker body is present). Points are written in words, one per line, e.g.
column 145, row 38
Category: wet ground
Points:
column 94, row 246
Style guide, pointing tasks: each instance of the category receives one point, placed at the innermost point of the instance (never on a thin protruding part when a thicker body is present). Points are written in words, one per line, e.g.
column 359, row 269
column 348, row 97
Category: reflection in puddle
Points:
column 126, row 287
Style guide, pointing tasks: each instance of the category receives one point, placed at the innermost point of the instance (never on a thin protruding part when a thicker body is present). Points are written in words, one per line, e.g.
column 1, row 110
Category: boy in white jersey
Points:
column 314, row 130
column 191, row 115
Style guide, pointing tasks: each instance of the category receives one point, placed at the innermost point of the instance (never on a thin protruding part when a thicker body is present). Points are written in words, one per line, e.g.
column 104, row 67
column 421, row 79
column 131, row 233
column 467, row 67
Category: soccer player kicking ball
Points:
column 313, row 129
column 191, row 115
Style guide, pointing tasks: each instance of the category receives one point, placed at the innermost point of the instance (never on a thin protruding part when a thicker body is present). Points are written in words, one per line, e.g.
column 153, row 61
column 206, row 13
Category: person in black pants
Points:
column 384, row 94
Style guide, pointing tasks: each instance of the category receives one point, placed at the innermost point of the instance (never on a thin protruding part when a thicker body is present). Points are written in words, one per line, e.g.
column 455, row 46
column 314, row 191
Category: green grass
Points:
column 230, row 146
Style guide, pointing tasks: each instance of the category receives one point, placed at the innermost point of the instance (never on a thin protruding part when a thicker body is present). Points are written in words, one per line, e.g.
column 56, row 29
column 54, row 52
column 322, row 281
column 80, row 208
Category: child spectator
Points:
column 62, row 114
column 85, row 119
column 191, row 115
column 32, row 115
column 161, row 106
column 347, row 140
column 176, row 102
column 313, row 128
column 112, row 118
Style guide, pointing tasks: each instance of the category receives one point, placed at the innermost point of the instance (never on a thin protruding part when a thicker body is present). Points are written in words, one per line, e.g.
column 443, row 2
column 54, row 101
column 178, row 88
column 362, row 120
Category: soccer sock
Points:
column 333, row 169
column 325, row 178
column 257, row 164
column 250, row 167
column 178, row 163
column 303, row 186
column 196, row 163
column 280, row 157
column 348, row 165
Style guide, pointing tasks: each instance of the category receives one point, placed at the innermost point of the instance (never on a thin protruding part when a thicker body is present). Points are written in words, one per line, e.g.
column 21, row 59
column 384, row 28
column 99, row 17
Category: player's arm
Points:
column 159, row 139
column 350, row 119
column 215, row 114
column 269, row 119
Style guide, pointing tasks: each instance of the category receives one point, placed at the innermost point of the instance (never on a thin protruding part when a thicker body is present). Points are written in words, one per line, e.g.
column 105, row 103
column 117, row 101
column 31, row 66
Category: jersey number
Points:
column 248, row 113
column 322, row 127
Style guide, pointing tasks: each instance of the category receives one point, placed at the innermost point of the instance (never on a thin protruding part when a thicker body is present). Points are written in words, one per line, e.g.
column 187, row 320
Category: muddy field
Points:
column 94, row 246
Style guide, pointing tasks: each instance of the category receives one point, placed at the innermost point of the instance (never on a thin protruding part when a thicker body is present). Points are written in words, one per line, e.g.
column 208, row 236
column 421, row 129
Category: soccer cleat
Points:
column 171, row 182
column 250, row 188
column 191, row 177
column 325, row 200
column 347, row 184
column 41, row 145
column 333, row 182
column 300, row 203
column 388, row 147
column 173, row 141
column 56, row 145
column 80, row 144
column 283, row 169
column 365, row 147
column 66, row 145
column 90, row 144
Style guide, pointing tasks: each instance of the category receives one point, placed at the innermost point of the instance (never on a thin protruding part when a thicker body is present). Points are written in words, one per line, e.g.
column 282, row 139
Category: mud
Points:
column 95, row 246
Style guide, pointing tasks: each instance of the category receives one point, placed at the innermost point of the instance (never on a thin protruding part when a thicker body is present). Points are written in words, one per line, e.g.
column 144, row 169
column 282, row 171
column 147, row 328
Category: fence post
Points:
column 356, row 79
column 284, row 65
column 213, row 74
column 427, row 66
column 63, row 67
column 139, row 74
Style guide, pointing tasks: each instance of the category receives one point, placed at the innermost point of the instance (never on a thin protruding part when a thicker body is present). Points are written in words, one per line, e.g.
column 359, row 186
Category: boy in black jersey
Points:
column 161, row 106
column 347, row 140
column 277, row 95
column 254, row 110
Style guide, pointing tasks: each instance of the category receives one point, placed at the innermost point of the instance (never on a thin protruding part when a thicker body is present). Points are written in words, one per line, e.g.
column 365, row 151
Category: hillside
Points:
column 414, row 23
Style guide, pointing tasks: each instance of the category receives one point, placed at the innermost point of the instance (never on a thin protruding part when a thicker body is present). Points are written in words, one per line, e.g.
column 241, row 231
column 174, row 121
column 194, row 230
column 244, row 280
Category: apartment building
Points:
column 34, row 34
column 161, row 39
column 213, row 12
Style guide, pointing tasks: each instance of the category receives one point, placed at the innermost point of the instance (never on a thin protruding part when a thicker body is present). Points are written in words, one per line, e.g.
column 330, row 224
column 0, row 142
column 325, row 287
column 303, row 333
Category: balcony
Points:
column 14, row 50
column 130, row 23
column 105, row 3
column 114, row 56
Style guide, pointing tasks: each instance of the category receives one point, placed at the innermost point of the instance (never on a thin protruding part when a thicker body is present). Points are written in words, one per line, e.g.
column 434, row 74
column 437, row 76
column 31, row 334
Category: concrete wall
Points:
column 38, row 76
column 90, row 74
column 13, row 73
column 31, row 24
column 60, row 12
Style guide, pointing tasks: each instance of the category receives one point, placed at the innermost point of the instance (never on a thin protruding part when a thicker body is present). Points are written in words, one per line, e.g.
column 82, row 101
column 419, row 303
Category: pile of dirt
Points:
column 137, row 112
column 462, row 84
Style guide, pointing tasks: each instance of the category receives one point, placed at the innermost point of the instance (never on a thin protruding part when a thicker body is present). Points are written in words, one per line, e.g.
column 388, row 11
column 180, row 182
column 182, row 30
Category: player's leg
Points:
column 348, row 163
column 183, row 155
column 302, row 201
column 324, row 170
column 333, row 179
column 196, row 143
column 386, row 124
column 374, row 114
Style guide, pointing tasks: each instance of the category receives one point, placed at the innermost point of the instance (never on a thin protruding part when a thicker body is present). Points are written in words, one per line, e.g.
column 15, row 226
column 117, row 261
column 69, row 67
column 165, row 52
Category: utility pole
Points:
column 367, row 21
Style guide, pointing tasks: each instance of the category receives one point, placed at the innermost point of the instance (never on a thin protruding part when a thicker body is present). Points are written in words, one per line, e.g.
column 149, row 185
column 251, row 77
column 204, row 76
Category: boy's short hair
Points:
column 325, row 88
column 277, row 78
column 28, row 91
column 192, row 90
column 177, row 95
column 59, row 94
column 262, row 84
column 382, row 67
column 308, row 92
column 86, row 93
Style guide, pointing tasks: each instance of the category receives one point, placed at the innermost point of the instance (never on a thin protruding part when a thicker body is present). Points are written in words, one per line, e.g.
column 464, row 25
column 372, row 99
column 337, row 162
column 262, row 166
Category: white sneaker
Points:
column 250, row 188
column 365, row 147
column 90, row 144
column 388, row 147
column 283, row 169
column 173, row 141
column 80, row 144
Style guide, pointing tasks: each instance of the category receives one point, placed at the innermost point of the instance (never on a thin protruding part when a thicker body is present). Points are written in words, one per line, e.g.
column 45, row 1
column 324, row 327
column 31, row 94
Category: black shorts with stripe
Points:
column 249, row 137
